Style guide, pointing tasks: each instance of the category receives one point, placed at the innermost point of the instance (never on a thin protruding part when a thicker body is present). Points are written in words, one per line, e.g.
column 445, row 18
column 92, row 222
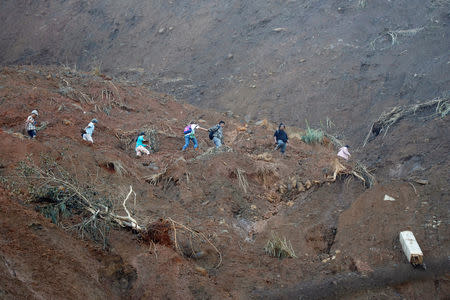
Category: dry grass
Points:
column 155, row 178
column 191, row 235
column 242, row 178
column 266, row 173
column 279, row 247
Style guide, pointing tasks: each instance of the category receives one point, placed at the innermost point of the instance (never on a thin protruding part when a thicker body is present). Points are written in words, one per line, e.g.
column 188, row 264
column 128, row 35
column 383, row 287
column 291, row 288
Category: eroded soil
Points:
column 341, row 232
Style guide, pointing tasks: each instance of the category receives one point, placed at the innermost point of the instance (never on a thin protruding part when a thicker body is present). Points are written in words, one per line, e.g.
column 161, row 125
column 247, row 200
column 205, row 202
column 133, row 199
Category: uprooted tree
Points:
column 64, row 195
column 388, row 119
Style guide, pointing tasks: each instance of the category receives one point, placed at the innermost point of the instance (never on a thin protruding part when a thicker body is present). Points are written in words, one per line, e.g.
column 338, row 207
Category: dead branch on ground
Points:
column 388, row 119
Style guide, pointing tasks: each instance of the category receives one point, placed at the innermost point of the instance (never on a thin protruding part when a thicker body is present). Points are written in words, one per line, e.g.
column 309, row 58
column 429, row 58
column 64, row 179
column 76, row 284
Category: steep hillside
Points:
column 285, row 60
column 208, row 213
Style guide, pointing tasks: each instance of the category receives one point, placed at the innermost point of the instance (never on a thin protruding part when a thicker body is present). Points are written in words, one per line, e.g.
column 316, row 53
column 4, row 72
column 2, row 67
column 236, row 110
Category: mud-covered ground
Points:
column 346, row 60
column 344, row 235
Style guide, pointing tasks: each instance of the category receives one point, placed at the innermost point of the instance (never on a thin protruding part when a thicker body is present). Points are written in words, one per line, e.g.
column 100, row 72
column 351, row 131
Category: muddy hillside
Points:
column 81, row 220
column 346, row 60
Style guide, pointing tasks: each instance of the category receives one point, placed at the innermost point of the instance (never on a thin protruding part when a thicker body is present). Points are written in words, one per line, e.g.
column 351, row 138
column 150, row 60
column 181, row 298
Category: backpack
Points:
column 211, row 133
column 187, row 129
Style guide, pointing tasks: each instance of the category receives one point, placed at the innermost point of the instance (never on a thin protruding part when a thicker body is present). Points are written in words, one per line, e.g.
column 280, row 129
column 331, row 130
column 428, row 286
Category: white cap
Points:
column 35, row 112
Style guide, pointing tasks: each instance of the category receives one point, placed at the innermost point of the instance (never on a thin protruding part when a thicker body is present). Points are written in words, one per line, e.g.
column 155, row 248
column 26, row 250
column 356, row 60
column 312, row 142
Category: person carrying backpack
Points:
column 281, row 138
column 89, row 130
column 30, row 124
column 189, row 135
column 140, row 146
column 216, row 134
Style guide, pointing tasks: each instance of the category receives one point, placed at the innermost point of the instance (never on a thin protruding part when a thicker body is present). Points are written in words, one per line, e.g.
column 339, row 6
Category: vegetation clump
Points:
column 312, row 136
column 279, row 247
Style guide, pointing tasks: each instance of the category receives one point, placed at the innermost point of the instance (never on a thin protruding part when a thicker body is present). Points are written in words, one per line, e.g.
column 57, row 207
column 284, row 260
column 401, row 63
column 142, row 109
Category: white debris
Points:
column 411, row 248
column 388, row 198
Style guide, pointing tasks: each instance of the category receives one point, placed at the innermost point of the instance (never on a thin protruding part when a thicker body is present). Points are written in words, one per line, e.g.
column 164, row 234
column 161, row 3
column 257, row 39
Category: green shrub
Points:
column 312, row 136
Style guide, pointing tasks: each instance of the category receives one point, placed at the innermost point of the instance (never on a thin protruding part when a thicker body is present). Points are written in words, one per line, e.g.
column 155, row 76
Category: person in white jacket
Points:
column 343, row 152
column 89, row 130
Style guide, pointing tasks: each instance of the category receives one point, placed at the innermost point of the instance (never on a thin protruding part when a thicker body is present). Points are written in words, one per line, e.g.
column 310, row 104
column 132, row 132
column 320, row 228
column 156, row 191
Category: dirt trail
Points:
column 237, row 197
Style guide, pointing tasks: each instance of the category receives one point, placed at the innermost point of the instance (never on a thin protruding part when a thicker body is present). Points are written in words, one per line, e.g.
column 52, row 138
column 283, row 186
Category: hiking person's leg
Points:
column 194, row 140
column 143, row 150
column 32, row 133
column 279, row 145
column 283, row 147
column 217, row 142
column 186, row 142
column 88, row 138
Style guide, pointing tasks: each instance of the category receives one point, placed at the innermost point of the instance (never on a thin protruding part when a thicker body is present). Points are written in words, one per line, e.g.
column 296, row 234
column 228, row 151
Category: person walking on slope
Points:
column 281, row 138
column 343, row 152
column 89, row 130
column 140, row 146
column 30, row 124
column 189, row 135
column 216, row 134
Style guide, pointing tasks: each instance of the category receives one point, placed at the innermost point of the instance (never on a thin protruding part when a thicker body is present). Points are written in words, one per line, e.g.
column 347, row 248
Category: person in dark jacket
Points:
column 216, row 133
column 281, row 138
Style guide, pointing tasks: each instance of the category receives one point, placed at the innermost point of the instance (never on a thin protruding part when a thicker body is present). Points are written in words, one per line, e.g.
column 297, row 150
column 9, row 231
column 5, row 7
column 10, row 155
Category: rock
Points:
column 290, row 203
column 362, row 267
column 388, row 198
column 262, row 123
column 201, row 270
column 253, row 207
column 18, row 135
column 289, row 187
column 293, row 182
column 282, row 189
column 300, row 187
column 229, row 113
column 421, row 181
column 308, row 184
column 65, row 90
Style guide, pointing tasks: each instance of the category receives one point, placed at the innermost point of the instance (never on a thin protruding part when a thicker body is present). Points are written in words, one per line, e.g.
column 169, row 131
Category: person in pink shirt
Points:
column 343, row 152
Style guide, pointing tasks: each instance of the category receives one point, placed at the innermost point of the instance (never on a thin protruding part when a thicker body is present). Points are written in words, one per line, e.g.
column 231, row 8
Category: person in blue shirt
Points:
column 281, row 138
column 140, row 146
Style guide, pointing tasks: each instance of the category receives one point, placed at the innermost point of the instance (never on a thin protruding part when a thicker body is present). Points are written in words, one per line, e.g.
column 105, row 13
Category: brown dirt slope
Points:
column 237, row 198
column 348, row 60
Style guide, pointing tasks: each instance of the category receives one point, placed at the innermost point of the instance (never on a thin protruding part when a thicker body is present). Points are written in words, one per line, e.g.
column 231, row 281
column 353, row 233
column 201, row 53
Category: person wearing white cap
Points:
column 89, row 130
column 30, row 124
